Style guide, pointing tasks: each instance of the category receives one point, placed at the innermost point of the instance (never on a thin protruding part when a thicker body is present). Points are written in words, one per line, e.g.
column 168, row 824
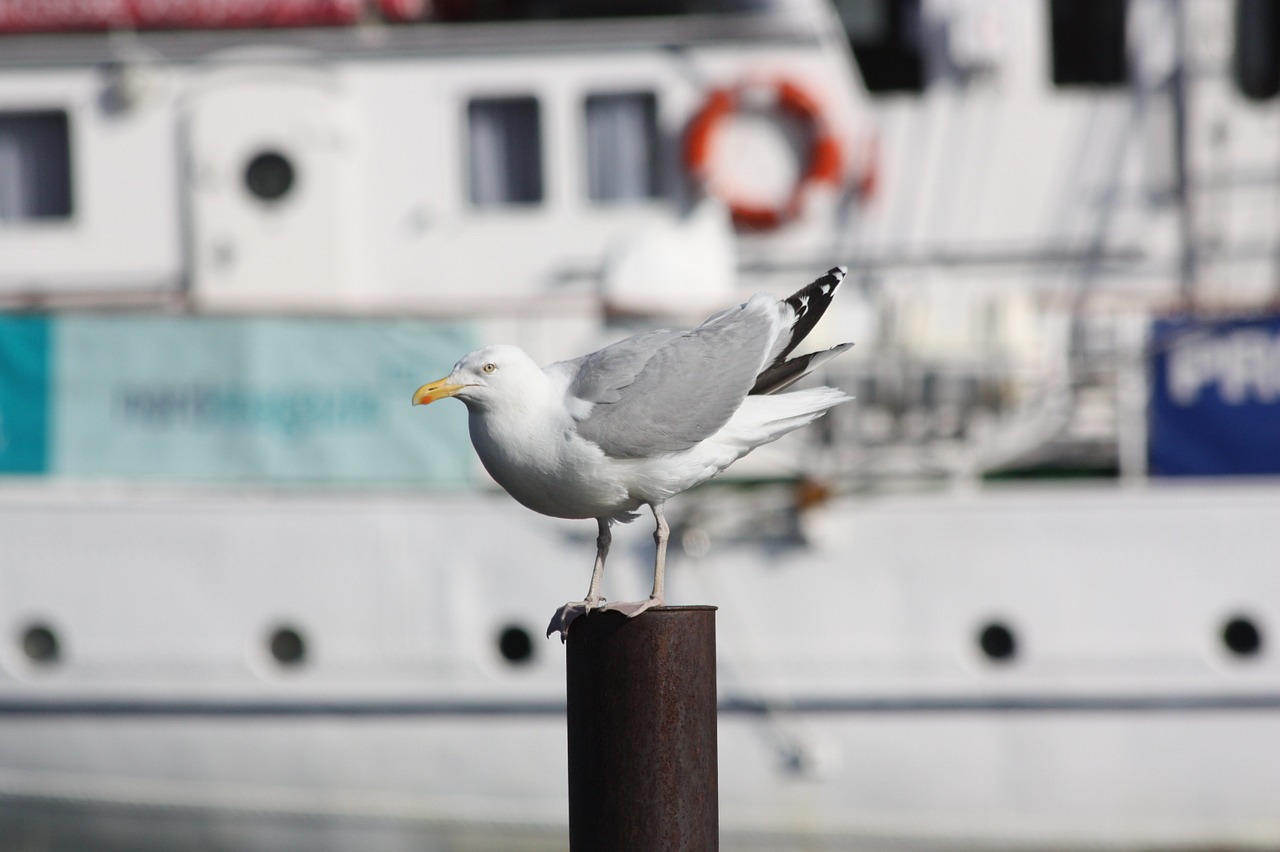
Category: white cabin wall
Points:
column 379, row 218
column 124, row 233
column 410, row 178
column 1234, row 156
column 434, row 251
column 1003, row 162
column 432, row 248
column 251, row 253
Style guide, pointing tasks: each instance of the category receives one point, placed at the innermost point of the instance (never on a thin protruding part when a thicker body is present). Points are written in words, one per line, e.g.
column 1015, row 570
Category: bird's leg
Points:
column 660, row 536
column 603, row 540
column 566, row 614
column 657, row 596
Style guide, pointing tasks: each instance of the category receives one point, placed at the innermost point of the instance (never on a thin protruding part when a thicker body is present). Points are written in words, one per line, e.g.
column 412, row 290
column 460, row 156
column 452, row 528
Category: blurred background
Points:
column 1020, row 594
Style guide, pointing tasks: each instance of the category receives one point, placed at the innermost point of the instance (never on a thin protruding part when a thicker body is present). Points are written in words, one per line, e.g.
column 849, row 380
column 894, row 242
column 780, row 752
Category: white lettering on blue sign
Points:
column 1244, row 365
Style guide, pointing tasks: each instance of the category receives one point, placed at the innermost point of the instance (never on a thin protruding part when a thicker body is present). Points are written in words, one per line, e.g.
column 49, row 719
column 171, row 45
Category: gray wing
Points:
column 665, row 391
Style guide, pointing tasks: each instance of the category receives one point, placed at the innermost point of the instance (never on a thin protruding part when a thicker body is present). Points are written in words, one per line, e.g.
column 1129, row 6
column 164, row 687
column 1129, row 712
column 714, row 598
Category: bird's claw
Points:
column 565, row 616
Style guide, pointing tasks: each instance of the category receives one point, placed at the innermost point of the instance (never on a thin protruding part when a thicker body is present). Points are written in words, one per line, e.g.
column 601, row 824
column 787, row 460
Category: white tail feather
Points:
column 762, row 419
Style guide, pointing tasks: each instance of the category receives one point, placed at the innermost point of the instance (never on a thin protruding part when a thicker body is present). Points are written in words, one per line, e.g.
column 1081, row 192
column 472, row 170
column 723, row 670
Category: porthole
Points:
column 515, row 644
column 288, row 647
column 40, row 644
column 998, row 642
column 1241, row 636
column 269, row 176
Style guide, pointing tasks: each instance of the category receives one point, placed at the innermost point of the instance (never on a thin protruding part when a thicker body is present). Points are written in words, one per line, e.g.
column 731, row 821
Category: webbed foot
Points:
column 633, row 608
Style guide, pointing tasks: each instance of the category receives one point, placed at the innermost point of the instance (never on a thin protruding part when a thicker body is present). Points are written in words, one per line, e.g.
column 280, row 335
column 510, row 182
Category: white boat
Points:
column 1017, row 595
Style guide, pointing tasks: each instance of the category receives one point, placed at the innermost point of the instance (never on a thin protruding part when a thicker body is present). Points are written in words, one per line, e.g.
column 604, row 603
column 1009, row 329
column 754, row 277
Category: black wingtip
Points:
column 809, row 304
column 824, row 286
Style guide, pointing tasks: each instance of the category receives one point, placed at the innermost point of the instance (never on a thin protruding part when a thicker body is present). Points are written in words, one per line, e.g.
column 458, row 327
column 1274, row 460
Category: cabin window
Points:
column 885, row 37
column 505, row 137
column 622, row 147
column 1088, row 41
column 1256, row 62
column 35, row 166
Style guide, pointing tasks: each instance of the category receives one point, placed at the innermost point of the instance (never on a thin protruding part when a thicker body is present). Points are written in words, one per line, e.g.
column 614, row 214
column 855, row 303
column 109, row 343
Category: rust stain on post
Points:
column 642, row 731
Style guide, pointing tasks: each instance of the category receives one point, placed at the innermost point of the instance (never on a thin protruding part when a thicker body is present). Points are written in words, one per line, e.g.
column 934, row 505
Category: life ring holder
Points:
column 823, row 160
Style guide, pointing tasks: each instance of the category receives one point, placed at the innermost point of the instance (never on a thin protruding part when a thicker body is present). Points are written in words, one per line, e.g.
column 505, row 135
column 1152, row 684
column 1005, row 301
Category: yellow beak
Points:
column 435, row 390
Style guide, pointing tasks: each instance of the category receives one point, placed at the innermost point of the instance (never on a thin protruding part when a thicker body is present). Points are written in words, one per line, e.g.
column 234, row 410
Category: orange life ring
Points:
column 823, row 161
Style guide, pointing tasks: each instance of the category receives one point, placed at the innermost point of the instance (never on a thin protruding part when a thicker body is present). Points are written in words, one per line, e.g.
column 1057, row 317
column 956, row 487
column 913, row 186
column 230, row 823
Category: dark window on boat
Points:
column 622, row 147
column 885, row 37
column 505, row 148
column 35, row 166
column 1088, row 41
column 1256, row 63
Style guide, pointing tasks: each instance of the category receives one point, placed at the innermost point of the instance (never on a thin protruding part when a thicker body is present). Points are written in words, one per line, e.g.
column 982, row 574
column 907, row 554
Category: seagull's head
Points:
column 483, row 376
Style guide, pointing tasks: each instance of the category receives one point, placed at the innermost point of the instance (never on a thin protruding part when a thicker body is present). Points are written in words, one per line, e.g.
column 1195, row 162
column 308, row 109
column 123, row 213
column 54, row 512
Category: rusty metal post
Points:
column 642, row 731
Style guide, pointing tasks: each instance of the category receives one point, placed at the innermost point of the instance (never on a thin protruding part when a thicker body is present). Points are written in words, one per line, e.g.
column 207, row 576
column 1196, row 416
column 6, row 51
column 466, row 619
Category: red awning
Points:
column 20, row 16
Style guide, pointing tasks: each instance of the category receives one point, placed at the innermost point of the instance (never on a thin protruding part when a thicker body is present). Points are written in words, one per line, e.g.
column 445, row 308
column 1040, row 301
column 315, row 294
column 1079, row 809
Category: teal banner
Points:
column 253, row 400
column 24, row 394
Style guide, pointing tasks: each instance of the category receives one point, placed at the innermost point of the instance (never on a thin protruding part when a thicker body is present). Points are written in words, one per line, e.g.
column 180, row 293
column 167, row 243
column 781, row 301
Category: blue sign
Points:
column 24, row 394
column 246, row 400
column 1215, row 401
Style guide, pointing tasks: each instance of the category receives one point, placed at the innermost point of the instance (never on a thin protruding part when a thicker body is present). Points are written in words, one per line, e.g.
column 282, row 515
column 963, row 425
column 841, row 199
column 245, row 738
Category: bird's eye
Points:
column 490, row 367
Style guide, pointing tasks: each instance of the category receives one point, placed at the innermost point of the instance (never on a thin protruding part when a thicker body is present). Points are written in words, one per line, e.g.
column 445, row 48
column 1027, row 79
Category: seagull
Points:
column 642, row 420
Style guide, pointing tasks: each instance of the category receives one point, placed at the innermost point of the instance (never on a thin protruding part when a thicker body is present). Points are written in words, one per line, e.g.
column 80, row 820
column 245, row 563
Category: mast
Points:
column 1179, row 93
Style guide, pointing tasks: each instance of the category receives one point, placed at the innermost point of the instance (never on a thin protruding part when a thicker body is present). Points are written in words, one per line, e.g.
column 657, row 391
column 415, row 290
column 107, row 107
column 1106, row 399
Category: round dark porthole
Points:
column 515, row 644
column 287, row 647
column 40, row 644
column 997, row 642
column 269, row 176
column 1242, row 637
